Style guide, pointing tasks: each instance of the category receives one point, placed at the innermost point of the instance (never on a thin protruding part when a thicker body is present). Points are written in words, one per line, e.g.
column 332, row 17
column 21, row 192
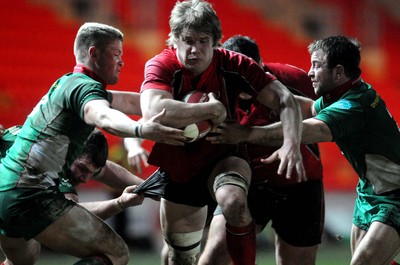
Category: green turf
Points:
column 329, row 254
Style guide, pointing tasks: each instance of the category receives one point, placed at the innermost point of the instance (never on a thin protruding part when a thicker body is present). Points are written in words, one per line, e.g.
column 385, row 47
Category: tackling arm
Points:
column 99, row 114
column 108, row 208
column 126, row 102
column 278, row 97
column 178, row 113
column 117, row 177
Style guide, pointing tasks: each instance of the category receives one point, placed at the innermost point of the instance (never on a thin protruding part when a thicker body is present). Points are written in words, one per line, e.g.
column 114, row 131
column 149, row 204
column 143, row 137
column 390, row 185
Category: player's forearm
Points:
column 103, row 209
column 276, row 96
column 98, row 113
column 179, row 114
column 292, row 125
column 126, row 102
column 270, row 135
column 117, row 123
column 314, row 131
column 289, row 130
column 117, row 177
column 290, row 114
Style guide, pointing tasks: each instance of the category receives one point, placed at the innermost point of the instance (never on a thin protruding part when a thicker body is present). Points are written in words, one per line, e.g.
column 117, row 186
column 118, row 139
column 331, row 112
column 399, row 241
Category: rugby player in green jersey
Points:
column 350, row 113
column 53, row 136
column 91, row 164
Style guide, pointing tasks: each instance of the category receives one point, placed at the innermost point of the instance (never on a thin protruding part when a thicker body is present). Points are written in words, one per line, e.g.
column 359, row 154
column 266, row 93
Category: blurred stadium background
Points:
column 36, row 48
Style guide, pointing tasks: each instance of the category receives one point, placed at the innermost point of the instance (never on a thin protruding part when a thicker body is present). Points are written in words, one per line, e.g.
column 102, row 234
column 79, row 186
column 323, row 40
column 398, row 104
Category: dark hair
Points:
column 244, row 45
column 96, row 149
column 340, row 50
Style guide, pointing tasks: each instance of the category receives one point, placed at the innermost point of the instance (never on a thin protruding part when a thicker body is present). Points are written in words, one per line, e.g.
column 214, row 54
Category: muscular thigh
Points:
column 378, row 245
column 24, row 213
column 181, row 218
column 80, row 233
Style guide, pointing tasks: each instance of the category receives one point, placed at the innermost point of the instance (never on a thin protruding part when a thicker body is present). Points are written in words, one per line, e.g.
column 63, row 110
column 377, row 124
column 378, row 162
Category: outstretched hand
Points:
column 137, row 155
column 152, row 129
column 291, row 161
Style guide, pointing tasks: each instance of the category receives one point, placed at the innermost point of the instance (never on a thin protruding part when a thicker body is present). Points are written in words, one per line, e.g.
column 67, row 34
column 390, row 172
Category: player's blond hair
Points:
column 197, row 15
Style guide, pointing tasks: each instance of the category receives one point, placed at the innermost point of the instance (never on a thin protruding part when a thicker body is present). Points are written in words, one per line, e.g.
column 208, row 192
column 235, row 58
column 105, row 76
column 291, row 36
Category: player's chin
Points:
column 113, row 80
column 195, row 67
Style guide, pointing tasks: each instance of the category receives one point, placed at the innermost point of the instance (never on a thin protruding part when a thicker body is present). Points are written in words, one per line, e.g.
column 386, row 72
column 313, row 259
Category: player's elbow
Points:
column 315, row 131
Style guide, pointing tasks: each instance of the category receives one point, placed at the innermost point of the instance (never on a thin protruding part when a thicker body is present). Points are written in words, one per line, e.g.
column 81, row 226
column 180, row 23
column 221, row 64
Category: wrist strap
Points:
column 138, row 130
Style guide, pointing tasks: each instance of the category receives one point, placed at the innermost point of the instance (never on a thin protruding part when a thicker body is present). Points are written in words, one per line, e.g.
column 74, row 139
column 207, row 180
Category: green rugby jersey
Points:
column 53, row 134
column 367, row 135
column 6, row 141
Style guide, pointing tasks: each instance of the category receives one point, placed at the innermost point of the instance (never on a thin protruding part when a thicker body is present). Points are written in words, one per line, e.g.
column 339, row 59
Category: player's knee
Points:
column 33, row 252
column 184, row 247
column 231, row 178
column 122, row 257
column 119, row 252
column 24, row 254
column 234, row 183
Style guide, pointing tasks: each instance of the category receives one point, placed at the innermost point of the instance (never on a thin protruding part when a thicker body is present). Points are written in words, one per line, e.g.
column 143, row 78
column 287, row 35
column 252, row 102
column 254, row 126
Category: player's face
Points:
column 109, row 62
column 82, row 171
column 322, row 77
column 195, row 51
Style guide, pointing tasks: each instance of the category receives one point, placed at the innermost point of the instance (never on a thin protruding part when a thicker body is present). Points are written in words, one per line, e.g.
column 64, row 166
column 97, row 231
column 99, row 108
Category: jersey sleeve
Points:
column 159, row 71
column 344, row 117
column 84, row 92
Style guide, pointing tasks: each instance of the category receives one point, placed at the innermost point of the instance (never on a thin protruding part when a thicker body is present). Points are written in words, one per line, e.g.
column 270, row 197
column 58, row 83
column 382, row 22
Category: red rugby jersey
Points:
column 228, row 74
column 255, row 114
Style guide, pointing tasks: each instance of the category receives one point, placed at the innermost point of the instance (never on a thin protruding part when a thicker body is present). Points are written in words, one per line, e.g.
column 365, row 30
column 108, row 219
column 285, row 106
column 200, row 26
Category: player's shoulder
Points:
column 285, row 68
column 225, row 55
column 166, row 60
column 77, row 81
column 234, row 62
column 295, row 78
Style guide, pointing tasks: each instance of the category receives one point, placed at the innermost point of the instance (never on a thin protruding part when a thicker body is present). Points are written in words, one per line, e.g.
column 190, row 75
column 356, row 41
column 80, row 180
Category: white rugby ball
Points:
column 199, row 129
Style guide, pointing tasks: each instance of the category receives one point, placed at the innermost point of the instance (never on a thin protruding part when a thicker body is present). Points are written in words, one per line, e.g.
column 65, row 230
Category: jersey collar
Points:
column 338, row 92
column 79, row 68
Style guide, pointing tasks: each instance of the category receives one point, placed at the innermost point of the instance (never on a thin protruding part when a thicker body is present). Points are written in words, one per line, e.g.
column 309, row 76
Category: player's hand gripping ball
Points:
column 199, row 129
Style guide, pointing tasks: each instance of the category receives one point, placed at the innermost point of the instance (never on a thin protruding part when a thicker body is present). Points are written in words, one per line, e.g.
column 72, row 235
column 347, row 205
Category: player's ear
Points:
column 92, row 53
column 339, row 72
